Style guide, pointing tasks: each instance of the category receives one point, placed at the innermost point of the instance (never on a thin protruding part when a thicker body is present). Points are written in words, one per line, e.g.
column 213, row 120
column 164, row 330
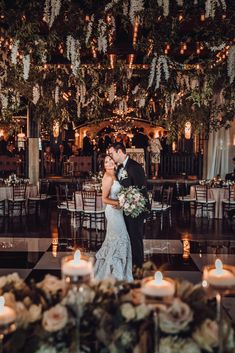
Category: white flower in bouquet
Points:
column 55, row 319
column 35, row 312
column 132, row 201
column 207, row 335
column 176, row 317
column 173, row 344
column 51, row 284
column 128, row 311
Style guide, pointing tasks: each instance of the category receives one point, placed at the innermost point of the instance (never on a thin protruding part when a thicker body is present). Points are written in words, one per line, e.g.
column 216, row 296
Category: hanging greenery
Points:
column 64, row 56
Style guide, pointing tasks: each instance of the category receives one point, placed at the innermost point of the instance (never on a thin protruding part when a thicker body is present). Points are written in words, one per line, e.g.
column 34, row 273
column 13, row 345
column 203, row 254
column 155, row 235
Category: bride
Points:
column 114, row 258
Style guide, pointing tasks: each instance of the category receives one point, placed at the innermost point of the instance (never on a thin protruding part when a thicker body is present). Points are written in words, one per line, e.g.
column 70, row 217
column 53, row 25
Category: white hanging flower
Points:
column 51, row 11
column 4, row 101
column 73, row 53
column 125, row 8
column 36, row 93
column 78, row 110
column 152, row 70
column 142, row 102
column 210, row 7
column 110, row 5
column 231, row 63
column 89, row 29
column 26, row 66
column 217, row 48
column 102, row 40
column 112, row 91
column 165, row 6
column 180, row 2
column 136, row 6
column 82, row 93
column 162, row 67
column 44, row 57
column 135, row 90
column 14, row 52
column 57, row 91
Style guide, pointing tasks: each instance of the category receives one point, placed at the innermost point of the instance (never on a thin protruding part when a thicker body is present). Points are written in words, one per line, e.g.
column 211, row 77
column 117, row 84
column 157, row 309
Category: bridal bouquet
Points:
column 132, row 201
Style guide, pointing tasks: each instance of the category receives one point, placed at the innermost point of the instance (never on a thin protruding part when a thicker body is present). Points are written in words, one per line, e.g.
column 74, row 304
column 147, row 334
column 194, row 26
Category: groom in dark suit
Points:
column 131, row 173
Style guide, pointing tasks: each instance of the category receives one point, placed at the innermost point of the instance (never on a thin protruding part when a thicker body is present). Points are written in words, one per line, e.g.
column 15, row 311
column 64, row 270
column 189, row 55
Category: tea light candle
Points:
column 159, row 287
column 7, row 314
column 219, row 276
column 77, row 266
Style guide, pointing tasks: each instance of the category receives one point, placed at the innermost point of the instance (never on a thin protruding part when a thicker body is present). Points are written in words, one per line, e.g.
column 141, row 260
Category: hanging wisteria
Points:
column 57, row 91
column 102, row 38
column 159, row 67
column 14, row 52
column 165, row 6
column 51, row 11
column 231, row 63
column 73, row 53
column 89, row 29
column 26, row 66
column 136, row 6
column 211, row 5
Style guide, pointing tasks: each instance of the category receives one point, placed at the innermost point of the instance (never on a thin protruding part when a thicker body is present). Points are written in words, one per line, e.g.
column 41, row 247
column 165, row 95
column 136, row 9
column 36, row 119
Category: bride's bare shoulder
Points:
column 107, row 178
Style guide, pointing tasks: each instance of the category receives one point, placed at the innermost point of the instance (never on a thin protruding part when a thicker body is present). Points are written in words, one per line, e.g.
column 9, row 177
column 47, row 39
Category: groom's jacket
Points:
column 134, row 177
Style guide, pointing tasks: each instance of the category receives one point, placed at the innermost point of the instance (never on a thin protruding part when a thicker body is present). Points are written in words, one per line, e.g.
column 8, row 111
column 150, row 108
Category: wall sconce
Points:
column 21, row 140
column 1, row 132
column 187, row 130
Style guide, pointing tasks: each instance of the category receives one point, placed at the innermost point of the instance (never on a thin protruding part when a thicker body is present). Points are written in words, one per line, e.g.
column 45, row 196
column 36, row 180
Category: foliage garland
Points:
column 24, row 32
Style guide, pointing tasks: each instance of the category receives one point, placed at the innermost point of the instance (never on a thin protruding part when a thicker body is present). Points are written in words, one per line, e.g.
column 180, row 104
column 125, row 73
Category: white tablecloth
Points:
column 6, row 192
column 217, row 194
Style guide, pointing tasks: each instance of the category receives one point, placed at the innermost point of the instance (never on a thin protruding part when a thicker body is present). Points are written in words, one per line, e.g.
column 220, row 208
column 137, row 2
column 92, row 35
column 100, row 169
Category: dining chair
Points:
column 18, row 200
column 204, row 204
column 228, row 203
column 94, row 217
column 164, row 208
column 183, row 196
column 41, row 198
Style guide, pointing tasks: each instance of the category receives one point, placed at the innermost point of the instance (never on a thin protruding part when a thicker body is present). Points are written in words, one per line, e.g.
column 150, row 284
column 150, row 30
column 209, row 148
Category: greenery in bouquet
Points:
column 132, row 201
column 114, row 318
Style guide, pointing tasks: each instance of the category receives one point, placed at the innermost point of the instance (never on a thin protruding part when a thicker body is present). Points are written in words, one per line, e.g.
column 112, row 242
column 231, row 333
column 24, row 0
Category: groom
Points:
column 131, row 173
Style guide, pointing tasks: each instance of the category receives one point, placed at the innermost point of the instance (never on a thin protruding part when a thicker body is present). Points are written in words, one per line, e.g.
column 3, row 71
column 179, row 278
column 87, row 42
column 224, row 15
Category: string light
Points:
column 112, row 60
column 130, row 60
column 135, row 31
column 202, row 18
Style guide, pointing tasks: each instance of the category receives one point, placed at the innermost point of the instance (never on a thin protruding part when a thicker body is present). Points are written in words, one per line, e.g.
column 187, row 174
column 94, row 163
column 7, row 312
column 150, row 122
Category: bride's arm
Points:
column 106, row 187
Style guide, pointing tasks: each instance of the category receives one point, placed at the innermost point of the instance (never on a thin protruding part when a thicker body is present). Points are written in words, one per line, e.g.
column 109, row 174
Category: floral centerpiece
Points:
column 132, row 201
column 114, row 318
column 13, row 180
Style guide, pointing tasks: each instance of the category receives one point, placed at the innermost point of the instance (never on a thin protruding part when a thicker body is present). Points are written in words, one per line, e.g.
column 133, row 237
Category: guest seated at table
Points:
column 231, row 176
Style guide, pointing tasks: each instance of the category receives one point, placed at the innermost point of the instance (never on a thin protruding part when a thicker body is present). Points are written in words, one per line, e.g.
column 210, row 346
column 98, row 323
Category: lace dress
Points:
column 114, row 257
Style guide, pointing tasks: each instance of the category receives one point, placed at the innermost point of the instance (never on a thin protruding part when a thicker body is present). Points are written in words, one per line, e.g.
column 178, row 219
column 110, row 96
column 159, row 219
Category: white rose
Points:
column 176, row 317
column 10, row 300
column 14, row 277
column 142, row 311
column 22, row 315
column 173, row 344
column 207, row 335
column 46, row 349
column 35, row 312
column 51, row 284
column 128, row 311
column 3, row 281
column 55, row 319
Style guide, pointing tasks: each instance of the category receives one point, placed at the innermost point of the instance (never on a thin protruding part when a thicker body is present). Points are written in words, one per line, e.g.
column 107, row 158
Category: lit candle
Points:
column 219, row 276
column 159, row 287
column 7, row 314
column 77, row 266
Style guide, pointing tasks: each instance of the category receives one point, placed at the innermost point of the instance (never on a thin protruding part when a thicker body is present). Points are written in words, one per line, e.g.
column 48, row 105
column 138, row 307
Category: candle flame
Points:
column 158, row 277
column 2, row 303
column 219, row 266
column 77, row 256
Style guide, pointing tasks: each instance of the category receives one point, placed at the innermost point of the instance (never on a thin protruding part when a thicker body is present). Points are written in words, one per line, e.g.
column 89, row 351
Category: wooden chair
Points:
column 203, row 203
column 229, row 203
column 164, row 207
column 41, row 198
column 18, row 200
column 94, row 218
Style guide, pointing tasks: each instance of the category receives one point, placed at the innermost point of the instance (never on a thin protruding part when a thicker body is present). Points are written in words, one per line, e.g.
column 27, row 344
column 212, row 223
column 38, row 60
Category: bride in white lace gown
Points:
column 114, row 258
